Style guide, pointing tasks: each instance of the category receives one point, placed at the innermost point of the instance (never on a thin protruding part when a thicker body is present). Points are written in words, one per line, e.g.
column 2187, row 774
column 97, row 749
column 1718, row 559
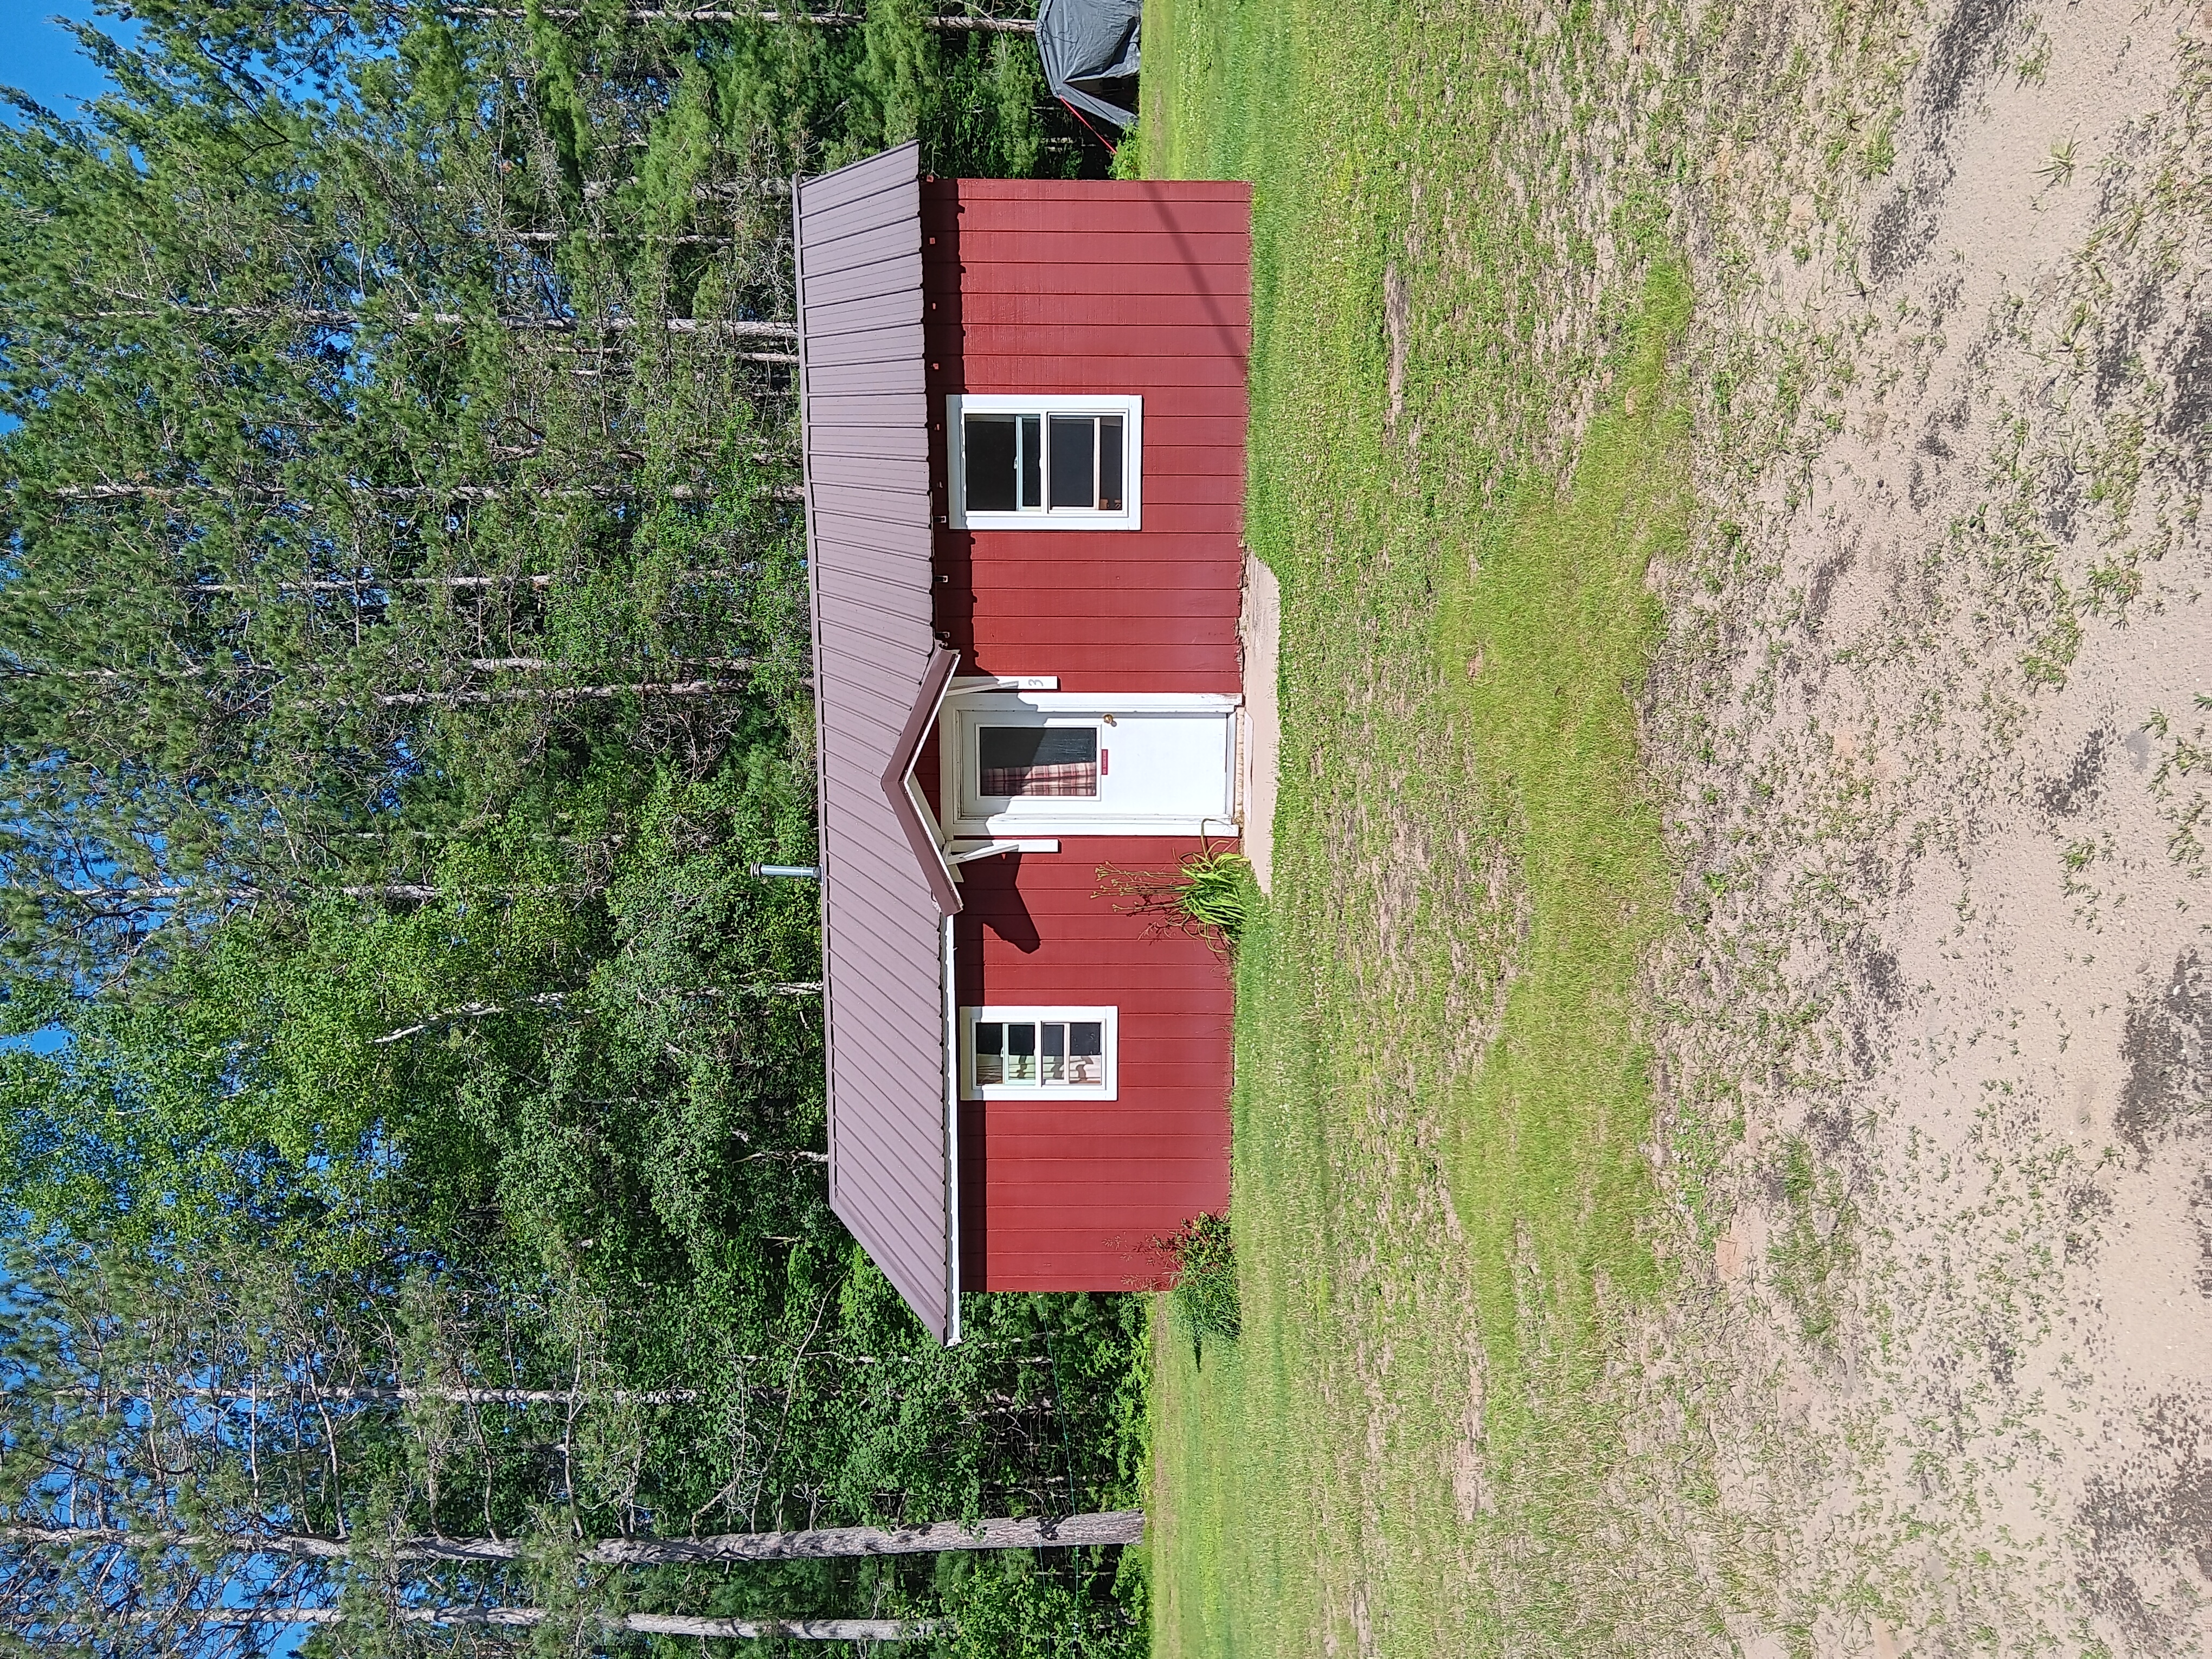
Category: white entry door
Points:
column 1056, row 763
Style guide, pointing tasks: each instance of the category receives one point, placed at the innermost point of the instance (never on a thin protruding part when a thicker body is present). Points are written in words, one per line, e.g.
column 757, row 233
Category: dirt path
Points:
column 1933, row 715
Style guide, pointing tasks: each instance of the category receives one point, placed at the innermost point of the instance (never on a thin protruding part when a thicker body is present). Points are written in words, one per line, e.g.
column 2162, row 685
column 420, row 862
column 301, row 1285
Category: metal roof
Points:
column 880, row 674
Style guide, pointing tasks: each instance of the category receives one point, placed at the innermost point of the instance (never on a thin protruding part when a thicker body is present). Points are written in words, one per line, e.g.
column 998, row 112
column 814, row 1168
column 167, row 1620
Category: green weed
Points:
column 1211, row 893
column 1816, row 1246
column 1203, row 1298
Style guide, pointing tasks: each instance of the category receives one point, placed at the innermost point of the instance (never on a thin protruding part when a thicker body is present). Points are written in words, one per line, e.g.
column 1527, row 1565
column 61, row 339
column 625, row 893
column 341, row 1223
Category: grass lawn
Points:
column 1466, row 448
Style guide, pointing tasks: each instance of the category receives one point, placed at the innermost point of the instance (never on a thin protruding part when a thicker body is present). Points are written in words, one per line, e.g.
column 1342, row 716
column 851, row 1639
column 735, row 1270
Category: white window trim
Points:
column 959, row 404
column 1110, row 1044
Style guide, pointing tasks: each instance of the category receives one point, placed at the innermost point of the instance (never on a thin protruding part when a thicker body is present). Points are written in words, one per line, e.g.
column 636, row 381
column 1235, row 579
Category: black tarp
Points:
column 1089, row 53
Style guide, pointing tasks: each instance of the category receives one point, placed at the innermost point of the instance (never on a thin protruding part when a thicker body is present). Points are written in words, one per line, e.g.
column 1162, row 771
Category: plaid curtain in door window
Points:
column 1078, row 778
column 1057, row 760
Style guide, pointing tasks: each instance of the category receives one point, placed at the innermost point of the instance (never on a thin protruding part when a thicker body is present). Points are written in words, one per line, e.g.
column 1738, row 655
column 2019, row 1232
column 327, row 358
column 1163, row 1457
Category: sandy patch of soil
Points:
column 1933, row 718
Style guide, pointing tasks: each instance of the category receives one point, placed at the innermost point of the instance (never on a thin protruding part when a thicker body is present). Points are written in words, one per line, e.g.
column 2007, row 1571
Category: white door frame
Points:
column 1004, row 826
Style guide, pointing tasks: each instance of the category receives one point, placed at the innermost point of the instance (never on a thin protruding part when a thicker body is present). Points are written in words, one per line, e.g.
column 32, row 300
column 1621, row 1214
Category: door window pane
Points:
column 1074, row 460
column 990, row 1052
column 989, row 442
column 1055, row 761
column 1054, row 1066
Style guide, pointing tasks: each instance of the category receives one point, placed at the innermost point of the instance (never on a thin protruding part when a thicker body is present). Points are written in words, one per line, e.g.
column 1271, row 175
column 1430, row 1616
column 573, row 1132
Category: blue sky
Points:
column 42, row 59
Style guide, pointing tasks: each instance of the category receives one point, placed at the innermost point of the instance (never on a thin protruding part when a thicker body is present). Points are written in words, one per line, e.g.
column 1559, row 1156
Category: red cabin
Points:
column 1024, row 408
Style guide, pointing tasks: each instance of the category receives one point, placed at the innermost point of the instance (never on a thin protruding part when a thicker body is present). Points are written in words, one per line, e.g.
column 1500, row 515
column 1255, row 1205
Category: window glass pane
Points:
column 1074, row 458
column 1109, row 462
column 1032, row 460
column 987, row 457
column 1086, row 1062
column 1054, row 1066
column 990, row 1059
column 1021, row 1053
column 1056, row 760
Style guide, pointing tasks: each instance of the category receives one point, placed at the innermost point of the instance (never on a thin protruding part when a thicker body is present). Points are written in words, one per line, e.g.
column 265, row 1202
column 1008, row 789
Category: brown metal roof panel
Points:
column 868, row 544
column 827, row 210
column 869, row 403
column 865, row 494
column 852, row 813
column 862, row 712
column 893, row 580
column 874, row 1194
column 877, row 640
column 876, row 1221
column 850, row 730
column 875, row 1077
column 891, row 442
column 899, row 274
column 860, row 313
column 899, row 1153
column 887, row 526
column 873, row 379
column 827, row 217
column 881, row 640
column 880, row 245
column 868, row 1191
column 871, row 930
column 863, row 703
column 908, row 475
column 866, row 939
column 882, row 344
column 851, row 245
column 861, row 179
column 835, row 416
column 895, row 1145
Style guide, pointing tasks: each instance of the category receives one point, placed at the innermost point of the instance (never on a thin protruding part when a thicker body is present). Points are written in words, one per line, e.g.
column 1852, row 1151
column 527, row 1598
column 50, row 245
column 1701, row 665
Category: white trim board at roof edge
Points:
column 1125, row 412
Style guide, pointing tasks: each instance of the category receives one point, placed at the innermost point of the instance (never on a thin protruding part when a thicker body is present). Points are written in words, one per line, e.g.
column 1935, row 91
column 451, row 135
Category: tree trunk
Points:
column 821, row 1543
column 737, row 327
column 649, row 1624
column 559, row 694
column 121, row 492
column 798, row 987
column 955, row 21
column 390, row 889
column 400, row 1395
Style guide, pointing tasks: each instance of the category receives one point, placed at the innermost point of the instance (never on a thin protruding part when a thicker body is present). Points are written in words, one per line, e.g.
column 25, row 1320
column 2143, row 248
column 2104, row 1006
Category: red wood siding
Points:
column 1143, row 288
column 1069, row 1195
column 1050, row 286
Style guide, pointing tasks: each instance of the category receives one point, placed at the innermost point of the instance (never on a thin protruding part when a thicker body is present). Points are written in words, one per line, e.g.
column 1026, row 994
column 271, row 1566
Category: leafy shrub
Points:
column 1128, row 160
column 1203, row 1296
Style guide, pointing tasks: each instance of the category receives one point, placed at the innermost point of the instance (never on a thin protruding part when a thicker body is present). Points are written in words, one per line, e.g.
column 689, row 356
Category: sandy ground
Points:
column 1935, row 722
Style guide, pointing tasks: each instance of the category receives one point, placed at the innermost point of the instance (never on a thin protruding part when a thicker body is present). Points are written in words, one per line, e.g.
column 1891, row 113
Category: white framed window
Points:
column 1038, row 1054
column 1044, row 463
